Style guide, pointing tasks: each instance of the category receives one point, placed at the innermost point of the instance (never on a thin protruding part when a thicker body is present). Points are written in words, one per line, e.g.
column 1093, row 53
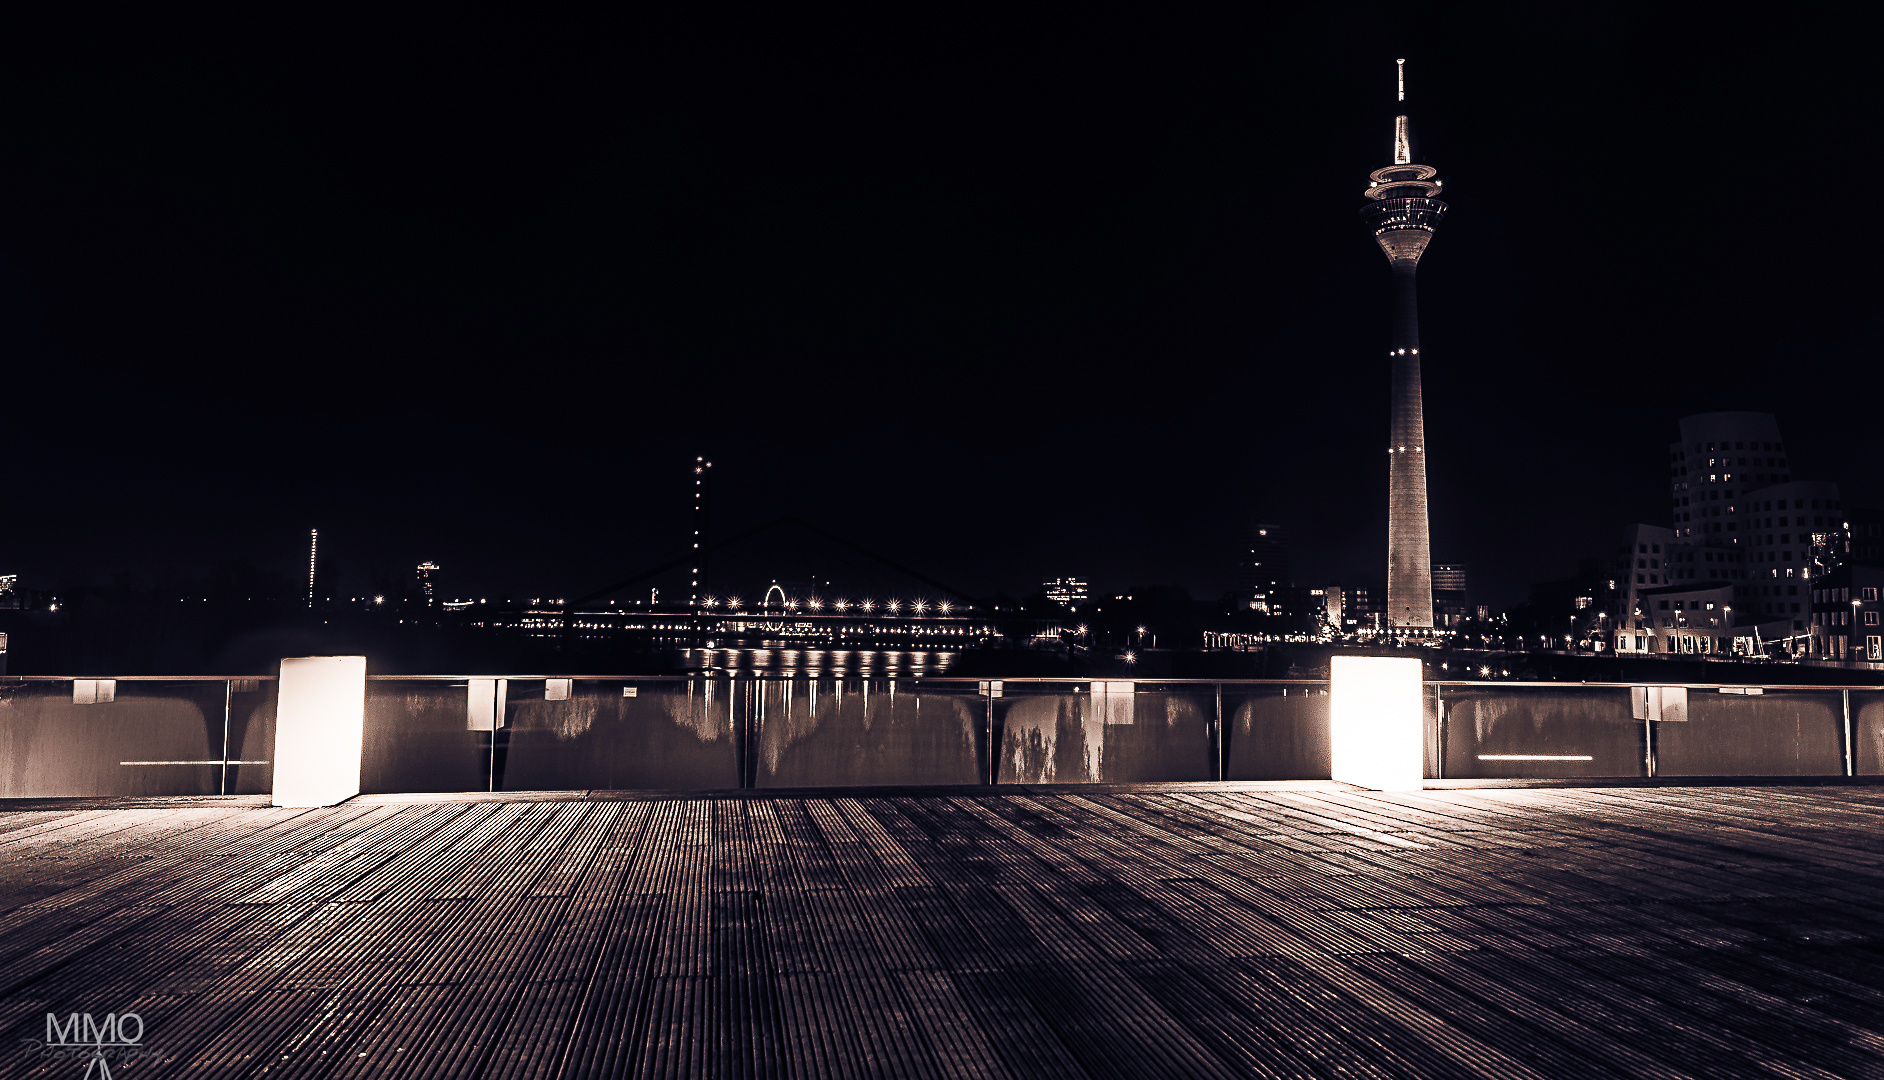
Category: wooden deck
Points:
column 1194, row 931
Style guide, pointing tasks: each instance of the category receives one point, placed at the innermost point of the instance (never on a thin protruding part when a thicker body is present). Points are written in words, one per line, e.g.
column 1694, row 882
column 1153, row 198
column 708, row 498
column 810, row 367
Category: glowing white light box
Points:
column 1376, row 729
column 320, row 718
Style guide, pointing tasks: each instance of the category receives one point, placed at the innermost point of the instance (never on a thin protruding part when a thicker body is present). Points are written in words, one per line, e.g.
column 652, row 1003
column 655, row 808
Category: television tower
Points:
column 702, row 510
column 1403, row 212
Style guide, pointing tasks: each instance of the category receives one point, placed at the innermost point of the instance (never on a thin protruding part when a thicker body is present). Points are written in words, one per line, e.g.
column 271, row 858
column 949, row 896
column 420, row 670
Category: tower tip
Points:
column 1401, row 65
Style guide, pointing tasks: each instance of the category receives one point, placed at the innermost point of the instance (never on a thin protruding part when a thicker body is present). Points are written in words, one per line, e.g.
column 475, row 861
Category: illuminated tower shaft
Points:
column 697, row 598
column 1403, row 213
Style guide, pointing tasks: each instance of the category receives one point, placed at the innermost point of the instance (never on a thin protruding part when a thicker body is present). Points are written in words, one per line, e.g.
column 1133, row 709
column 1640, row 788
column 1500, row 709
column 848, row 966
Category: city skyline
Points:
column 1040, row 324
column 664, row 541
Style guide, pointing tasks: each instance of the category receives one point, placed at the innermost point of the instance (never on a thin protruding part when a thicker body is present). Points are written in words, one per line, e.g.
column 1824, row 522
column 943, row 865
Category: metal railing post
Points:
column 1849, row 746
column 994, row 757
column 1439, row 734
column 1648, row 747
column 748, row 755
column 1221, row 747
column 228, row 698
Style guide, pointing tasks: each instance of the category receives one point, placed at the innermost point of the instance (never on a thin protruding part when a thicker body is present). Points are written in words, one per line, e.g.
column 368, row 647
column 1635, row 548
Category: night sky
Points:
column 1001, row 299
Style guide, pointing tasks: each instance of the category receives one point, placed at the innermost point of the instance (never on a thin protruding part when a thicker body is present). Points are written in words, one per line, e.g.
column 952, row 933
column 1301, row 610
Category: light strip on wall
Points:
column 192, row 762
column 1535, row 757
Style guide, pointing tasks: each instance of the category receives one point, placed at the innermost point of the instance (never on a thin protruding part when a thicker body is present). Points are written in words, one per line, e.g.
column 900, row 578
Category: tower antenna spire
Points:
column 1402, row 143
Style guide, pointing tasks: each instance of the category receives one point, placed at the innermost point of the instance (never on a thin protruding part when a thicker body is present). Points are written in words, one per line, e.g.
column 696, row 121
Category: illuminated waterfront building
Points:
column 1266, row 570
column 1848, row 612
column 1360, row 608
column 1451, row 603
column 1066, row 591
column 1402, row 211
column 1645, row 562
column 1734, row 499
column 1779, row 526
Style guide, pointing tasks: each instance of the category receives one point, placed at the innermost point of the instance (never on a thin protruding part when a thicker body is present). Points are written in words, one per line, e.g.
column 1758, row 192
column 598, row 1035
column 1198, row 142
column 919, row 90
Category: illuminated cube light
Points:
column 320, row 719
column 1376, row 729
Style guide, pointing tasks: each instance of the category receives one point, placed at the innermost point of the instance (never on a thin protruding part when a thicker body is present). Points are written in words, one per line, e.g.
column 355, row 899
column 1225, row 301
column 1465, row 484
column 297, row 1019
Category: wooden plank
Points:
column 1119, row 931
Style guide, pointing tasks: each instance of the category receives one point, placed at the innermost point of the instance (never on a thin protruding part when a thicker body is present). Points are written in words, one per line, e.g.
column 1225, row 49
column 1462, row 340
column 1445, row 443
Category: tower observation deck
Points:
column 1402, row 212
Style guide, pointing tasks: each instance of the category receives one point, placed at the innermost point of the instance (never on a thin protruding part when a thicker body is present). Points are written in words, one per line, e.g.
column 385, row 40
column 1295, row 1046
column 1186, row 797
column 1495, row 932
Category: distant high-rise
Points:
column 1403, row 212
column 1067, row 592
column 1360, row 608
column 1451, row 594
column 1266, row 570
column 313, row 552
column 425, row 571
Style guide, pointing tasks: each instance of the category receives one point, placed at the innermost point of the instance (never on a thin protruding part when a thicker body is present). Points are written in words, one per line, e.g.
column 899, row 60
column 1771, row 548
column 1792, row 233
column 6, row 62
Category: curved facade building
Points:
column 1783, row 522
column 1721, row 456
column 1741, row 517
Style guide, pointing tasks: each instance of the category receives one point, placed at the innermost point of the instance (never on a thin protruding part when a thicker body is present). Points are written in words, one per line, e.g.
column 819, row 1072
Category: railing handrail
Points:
column 778, row 676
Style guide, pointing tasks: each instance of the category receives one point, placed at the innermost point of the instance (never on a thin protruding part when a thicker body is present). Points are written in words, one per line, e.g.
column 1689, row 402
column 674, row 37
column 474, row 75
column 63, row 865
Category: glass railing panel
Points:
column 1766, row 733
column 1496, row 732
column 251, row 736
column 665, row 734
column 857, row 732
column 61, row 737
column 422, row 735
column 1276, row 732
column 1867, row 732
column 1105, row 731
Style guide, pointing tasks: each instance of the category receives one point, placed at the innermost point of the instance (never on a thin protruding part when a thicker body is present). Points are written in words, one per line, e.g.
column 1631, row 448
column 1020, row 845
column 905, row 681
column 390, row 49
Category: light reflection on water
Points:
column 823, row 663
